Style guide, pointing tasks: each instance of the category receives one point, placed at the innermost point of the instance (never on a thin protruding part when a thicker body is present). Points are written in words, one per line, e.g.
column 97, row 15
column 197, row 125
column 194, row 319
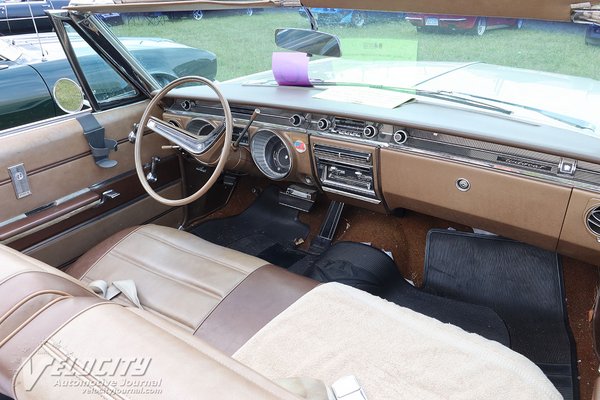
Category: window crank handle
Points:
column 152, row 177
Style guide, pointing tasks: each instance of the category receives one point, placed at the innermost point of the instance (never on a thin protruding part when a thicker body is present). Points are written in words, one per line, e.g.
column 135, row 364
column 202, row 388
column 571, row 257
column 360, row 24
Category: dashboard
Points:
column 546, row 198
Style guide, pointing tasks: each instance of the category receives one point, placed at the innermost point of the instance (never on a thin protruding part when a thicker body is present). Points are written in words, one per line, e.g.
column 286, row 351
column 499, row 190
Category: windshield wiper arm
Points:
column 440, row 95
column 459, row 98
column 576, row 122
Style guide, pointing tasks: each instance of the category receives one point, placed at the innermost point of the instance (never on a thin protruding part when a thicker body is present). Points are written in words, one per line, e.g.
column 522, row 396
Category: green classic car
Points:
column 30, row 66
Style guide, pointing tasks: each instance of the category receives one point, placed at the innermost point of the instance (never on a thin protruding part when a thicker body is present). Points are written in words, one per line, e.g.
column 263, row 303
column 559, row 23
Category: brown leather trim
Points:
column 23, row 344
column 79, row 268
column 263, row 295
column 47, row 215
column 127, row 185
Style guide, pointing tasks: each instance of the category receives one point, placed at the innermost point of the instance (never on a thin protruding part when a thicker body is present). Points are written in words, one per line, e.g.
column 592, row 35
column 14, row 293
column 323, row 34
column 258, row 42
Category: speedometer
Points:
column 270, row 154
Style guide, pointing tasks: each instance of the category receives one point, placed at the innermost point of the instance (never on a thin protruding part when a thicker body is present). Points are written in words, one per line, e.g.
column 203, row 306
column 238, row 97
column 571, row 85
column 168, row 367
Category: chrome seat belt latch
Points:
column 348, row 388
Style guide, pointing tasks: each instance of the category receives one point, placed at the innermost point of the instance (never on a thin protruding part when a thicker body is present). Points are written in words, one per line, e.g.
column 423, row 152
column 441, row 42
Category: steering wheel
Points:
column 196, row 146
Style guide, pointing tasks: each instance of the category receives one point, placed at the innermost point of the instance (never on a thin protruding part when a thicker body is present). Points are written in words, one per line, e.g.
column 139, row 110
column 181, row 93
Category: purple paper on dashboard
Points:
column 290, row 68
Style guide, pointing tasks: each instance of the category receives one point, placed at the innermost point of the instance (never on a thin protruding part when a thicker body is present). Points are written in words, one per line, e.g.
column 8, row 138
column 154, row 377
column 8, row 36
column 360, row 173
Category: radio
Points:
column 345, row 170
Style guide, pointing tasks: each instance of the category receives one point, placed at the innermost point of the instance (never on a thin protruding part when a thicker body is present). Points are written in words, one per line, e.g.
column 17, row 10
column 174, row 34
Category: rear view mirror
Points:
column 308, row 41
column 68, row 95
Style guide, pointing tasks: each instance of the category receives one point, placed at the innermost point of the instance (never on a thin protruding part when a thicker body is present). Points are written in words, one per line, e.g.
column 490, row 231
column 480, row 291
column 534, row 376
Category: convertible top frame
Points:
column 556, row 10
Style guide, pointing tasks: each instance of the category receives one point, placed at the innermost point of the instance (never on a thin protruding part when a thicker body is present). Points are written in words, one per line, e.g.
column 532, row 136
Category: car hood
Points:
column 570, row 96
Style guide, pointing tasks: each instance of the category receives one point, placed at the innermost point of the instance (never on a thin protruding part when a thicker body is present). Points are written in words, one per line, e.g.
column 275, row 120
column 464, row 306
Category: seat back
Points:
column 35, row 300
column 59, row 340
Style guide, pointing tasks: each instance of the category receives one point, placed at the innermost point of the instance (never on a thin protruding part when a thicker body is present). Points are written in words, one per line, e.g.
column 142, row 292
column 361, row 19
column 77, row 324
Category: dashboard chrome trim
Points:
column 502, row 168
column 586, row 176
column 351, row 195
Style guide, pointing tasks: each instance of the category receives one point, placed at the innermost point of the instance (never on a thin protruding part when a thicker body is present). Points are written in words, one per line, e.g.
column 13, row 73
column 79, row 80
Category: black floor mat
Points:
column 265, row 229
column 470, row 317
column 523, row 284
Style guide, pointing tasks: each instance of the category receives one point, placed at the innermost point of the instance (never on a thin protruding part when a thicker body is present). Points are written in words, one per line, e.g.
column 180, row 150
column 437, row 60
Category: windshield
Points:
column 548, row 66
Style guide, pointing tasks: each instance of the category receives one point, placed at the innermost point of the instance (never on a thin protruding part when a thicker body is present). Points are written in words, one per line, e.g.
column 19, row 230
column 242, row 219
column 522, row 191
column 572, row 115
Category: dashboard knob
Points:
column 400, row 136
column 370, row 131
column 323, row 124
column 297, row 120
column 463, row 184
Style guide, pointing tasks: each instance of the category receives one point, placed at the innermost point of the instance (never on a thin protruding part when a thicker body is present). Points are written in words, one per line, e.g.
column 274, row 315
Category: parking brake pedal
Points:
column 322, row 242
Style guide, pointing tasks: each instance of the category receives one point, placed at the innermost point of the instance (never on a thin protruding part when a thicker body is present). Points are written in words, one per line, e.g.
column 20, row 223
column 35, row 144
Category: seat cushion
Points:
column 395, row 353
column 177, row 275
column 219, row 294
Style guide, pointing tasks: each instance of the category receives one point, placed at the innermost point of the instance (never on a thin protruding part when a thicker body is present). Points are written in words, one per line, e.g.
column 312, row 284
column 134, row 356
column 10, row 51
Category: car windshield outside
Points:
column 528, row 69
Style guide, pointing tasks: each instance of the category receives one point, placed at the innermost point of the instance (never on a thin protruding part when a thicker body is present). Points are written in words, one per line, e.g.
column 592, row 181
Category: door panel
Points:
column 59, row 162
column 60, row 165
column 67, row 246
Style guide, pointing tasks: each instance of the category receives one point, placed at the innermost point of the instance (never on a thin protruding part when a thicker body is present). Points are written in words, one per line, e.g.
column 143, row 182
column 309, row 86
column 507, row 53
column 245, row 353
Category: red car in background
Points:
column 476, row 25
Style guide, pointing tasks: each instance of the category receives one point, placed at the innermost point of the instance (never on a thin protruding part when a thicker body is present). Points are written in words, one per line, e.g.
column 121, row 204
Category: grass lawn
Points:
column 243, row 44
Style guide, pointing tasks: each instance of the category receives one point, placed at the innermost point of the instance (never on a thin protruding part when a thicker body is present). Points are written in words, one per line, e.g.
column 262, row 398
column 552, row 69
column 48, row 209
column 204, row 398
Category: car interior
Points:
column 234, row 240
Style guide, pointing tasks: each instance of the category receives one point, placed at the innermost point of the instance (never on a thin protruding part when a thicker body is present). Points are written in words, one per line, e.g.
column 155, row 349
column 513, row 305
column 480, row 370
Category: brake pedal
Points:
column 328, row 228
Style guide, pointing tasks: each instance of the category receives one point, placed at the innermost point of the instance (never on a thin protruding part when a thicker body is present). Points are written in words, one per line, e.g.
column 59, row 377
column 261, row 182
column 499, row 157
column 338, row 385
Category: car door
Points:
column 58, row 198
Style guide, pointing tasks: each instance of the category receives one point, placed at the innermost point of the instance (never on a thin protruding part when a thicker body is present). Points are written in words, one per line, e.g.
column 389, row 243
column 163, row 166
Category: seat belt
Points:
column 109, row 292
column 346, row 388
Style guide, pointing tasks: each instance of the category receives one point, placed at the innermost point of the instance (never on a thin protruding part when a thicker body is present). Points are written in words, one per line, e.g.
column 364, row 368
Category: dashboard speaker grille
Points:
column 593, row 220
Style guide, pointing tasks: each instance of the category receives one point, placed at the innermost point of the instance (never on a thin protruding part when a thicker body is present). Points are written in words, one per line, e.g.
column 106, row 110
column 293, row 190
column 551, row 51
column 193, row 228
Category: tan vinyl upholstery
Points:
column 51, row 328
column 219, row 294
column 178, row 275
column 171, row 367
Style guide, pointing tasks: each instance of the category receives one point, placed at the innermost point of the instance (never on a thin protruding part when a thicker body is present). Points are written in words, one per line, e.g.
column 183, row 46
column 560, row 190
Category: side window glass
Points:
column 106, row 84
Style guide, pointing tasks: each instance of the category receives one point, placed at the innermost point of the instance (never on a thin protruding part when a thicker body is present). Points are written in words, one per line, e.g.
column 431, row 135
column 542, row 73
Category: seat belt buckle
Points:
column 348, row 388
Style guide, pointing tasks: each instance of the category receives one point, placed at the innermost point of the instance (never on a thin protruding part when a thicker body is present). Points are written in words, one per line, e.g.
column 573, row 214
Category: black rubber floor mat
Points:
column 470, row 317
column 265, row 228
column 523, row 284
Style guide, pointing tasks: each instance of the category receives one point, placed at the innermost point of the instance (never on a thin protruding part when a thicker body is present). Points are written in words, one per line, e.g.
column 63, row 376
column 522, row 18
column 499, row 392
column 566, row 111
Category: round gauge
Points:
column 270, row 154
column 199, row 127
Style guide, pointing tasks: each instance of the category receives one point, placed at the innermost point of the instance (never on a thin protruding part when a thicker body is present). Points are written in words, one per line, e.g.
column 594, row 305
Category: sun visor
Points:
column 557, row 10
column 104, row 6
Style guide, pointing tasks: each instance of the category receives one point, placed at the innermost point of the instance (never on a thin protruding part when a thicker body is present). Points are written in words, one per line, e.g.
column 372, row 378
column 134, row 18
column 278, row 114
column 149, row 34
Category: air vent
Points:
column 593, row 220
column 342, row 155
column 349, row 126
